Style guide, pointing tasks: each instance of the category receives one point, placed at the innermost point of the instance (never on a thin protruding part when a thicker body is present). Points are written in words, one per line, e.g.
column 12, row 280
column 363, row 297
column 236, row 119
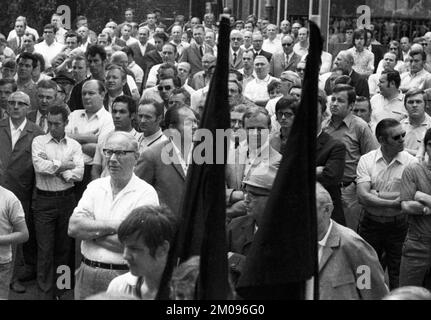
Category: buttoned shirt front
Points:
column 15, row 133
column 300, row 50
column 383, row 108
column 47, row 176
column 272, row 46
column 98, row 203
column 383, row 176
column 100, row 123
column 358, row 139
column 42, row 124
column 48, row 52
column 363, row 61
column 257, row 89
column 415, row 134
column 137, row 71
column 417, row 80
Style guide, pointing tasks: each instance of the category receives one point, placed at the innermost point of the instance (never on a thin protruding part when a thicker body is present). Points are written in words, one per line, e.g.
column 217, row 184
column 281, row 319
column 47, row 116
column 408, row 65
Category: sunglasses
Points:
column 398, row 137
column 287, row 44
column 166, row 88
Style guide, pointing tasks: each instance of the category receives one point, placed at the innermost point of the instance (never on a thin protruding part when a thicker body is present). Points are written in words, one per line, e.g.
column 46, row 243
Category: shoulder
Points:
column 349, row 239
column 408, row 158
column 8, row 195
column 240, row 222
column 122, row 285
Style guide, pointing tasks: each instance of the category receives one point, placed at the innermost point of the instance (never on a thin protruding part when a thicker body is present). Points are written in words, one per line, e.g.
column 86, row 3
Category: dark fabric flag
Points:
column 202, row 231
column 284, row 252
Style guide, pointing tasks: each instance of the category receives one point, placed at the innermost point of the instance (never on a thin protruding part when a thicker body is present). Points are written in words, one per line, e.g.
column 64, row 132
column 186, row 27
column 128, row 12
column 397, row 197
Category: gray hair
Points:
column 133, row 143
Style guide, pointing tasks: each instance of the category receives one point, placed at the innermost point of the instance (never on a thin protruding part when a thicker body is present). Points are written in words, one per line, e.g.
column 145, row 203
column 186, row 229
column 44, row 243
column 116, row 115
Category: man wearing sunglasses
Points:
column 166, row 85
column 379, row 172
column 286, row 60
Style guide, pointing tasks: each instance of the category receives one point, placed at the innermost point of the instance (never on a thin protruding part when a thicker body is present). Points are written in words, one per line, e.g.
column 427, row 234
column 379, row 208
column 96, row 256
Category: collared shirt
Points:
column 358, row 138
column 181, row 46
column 99, row 123
column 299, row 50
column 322, row 243
column 130, row 41
column 98, row 203
column 417, row 80
column 30, row 89
column 247, row 78
column 146, row 142
column 137, row 71
column 383, row 108
column 47, row 176
column 126, row 286
column 100, row 159
column 363, row 61
column 15, row 133
column 415, row 134
column 44, row 125
column 48, row 52
column 185, row 163
column 257, row 89
column 111, row 100
column 383, row 176
column 11, row 216
column 272, row 46
column 151, row 94
column 143, row 48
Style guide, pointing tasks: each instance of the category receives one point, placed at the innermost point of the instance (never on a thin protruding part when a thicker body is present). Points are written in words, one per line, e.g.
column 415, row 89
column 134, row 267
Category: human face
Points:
column 285, row 27
column 121, row 117
column 111, row 25
column 91, row 98
column 113, row 80
column 405, row 44
column 83, row 32
column 395, row 139
column 415, row 106
column 28, row 43
column 96, row 65
column 285, row 117
column 194, row 21
column 81, row 23
column 248, row 27
column 19, row 28
column 295, row 29
column 340, row 106
column 287, row 44
column 261, row 68
column 257, row 129
column 46, row 99
column 55, row 20
column 176, row 33
column 416, row 63
column 209, row 39
column 183, row 70
column 233, row 94
column 176, row 100
column 236, row 40
column 236, row 121
column 125, row 32
column 49, row 35
column 389, row 61
column 349, row 35
column 168, row 54
column 393, row 48
column 71, row 43
column 248, row 58
column 165, row 88
column 296, row 93
column 151, row 19
column 8, row 73
column 255, row 203
column 17, row 107
column 5, row 92
column 158, row 43
column 120, row 166
column 143, row 35
column 271, row 31
column 56, row 126
column 323, row 213
column 141, row 262
column 341, row 62
column 362, row 110
column 257, row 42
column 25, row 68
column 198, row 35
column 102, row 40
column 359, row 43
column 207, row 62
column 149, row 123
column 384, row 86
column 79, row 70
column 128, row 15
column 187, row 124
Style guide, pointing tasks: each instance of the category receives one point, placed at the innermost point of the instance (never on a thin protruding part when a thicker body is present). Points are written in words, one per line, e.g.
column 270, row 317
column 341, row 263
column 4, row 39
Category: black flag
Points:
column 202, row 231
column 283, row 255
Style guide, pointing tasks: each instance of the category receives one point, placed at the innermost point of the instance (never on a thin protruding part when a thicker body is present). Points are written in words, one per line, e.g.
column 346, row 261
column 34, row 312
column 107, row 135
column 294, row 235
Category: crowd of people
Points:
column 86, row 119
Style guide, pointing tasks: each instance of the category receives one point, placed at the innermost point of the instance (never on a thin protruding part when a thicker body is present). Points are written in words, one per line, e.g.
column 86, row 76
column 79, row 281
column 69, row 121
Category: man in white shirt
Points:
column 104, row 205
column 169, row 52
column 56, row 21
column 126, row 34
column 12, row 34
column 49, row 48
column 114, row 82
column 417, row 75
column 405, row 47
column 176, row 34
column 389, row 63
column 150, row 115
column 272, row 44
column 301, row 47
column 257, row 89
column 46, row 94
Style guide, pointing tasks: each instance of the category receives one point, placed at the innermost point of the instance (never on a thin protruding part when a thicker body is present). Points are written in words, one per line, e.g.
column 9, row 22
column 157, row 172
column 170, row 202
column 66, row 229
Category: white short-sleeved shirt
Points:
column 257, row 90
column 97, row 203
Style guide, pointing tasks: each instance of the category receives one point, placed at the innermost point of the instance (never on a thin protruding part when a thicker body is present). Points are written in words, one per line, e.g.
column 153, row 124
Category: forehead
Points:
column 167, row 81
column 341, row 94
column 260, row 61
column 19, row 97
column 184, row 65
column 418, row 96
column 120, row 106
column 168, row 47
column 186, row 113
column 362, row 105
column 260, row 119
column 390, row 56
column 146, row 108
column 46, row 91
column 6, row 87
column 236, row 115
column 25, row 61
column 417, row 57
column 117, row 142
column 90, row 86
column 55, row 117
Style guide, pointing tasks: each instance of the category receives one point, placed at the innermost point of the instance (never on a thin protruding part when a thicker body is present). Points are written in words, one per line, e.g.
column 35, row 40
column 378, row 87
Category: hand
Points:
column 67, row 165
column 43, row 155
column 419, row 196
column 319, row 170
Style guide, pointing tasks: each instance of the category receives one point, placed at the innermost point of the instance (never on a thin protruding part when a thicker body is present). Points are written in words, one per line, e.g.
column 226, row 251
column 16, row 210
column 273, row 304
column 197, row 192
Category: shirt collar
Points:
column 153, row 136
column 52, row 139
column 325, row 238
column 21, row 127
column 130, row 187
column 399, row 158
column 264, row 80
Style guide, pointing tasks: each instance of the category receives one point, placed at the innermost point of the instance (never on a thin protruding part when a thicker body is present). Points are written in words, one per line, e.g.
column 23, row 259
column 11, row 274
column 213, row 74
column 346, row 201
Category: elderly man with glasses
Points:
column 104, row 205
column 286, row 60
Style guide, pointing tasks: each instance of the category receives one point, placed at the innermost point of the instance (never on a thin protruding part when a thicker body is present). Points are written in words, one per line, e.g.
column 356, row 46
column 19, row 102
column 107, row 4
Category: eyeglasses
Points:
column 236, row 39
column 286, row 114
column 118, row 153
column 398, row 137
column 166, row 88
column 300, row 69
column 287, row 44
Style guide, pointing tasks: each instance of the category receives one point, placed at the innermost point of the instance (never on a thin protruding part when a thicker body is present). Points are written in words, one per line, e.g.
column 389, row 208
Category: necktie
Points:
column 201, row 49
column 234, row 57
column 42, row 122
column 19, row 42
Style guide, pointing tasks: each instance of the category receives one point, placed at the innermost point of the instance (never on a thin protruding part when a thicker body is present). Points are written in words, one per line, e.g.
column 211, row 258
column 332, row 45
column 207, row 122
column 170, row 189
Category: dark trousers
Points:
column 387, row 239
column 51, row 218
column 82, row 185
column 415, row 260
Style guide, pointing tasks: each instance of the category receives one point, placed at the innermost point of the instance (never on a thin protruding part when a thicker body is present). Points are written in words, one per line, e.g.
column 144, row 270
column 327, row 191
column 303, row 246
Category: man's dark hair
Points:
column 172, row 116
column 287, row 102
column 41, row 60
column 80, row 18
column 343, row 79
column 175, row 79
column 117, row 67
column 393, row 75
column 131, row 104
column 183, row 92
column 50, row 26
column 357, row 34
column 73, row 34
column 127, row 50
column 273, row 85
column 172, row 45
column 254, row 112
column 94, row 50
column 351, row 93
column 47, row 84
column 239, row 76
column 28, row 34
column 414, row 92
column 364, row 99
column 157, row 106
column 416, row 52
column 12, row 82
column 100, row 85
column 28, row 56
column 383, row 126
column 56, row 110
column 161, row 35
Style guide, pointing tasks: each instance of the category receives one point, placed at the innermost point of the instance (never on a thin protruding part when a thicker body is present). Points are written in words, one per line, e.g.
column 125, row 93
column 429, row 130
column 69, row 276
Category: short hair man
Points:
column 389, row 63
column 286, row 60
column 248, row 67
column 342, row 251
column 26, row 63
column 104, row 205
column 151, row 230
column 236, row 52
column 12, row 34
column 416, row 77
column 256, row 90
column 203, row 78
column 150, row 116
column 362, row 109
column 384, row 225
column 167, row 174
column 285, row 111
column 46, row 94
column 49, row 48
column 16, row 43
column 417, row 122
column 272, row 43
column 114, row 82
column 169, row 53
column 58, row 163
column 7, row 86
column 358, row 139
column 184, row 70
column 301, row 47
column 165, row 86
column 176, row 33
column 59, row 35
column 257, row 41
